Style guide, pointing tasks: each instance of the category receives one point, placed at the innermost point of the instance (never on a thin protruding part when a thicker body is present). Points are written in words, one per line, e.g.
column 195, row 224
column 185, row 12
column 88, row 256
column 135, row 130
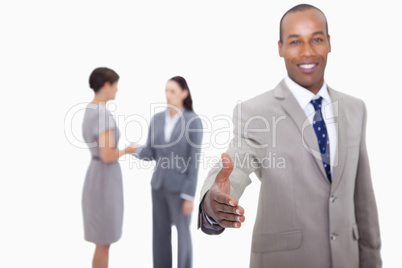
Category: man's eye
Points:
column 294, row 42
column 317, row 40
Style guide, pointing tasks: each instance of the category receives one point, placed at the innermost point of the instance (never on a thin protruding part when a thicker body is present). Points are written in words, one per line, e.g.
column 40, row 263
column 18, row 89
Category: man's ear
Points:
column 280, row 49
column 329, row 43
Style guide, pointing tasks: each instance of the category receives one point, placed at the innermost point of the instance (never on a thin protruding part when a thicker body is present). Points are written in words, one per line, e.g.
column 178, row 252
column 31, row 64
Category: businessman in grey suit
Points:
column 316, row 206
column 174, row 142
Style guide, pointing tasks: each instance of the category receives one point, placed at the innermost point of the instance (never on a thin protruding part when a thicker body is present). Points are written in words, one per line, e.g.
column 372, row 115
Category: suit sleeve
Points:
column 147, row 152
column 194, row 134
column 245, row 161
column 366, row 209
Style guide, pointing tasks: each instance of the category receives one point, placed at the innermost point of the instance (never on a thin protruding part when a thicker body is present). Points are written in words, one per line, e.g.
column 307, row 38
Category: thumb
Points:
column 227, row 169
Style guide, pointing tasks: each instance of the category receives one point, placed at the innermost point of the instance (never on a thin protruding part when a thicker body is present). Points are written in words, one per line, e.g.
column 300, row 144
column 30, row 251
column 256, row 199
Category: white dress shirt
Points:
column 303, row 97
column 170, row 122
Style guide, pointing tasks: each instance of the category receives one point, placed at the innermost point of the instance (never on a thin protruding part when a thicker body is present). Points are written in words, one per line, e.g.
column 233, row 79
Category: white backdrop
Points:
column 227, row 51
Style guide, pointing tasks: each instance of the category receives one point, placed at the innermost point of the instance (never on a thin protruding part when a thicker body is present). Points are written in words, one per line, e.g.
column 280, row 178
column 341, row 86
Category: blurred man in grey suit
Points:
column 316, row 206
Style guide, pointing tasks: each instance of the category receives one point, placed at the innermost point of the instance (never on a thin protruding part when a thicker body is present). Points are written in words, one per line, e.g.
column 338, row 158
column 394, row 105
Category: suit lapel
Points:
column 342, row 145
column 158, row 131
column 296, row 113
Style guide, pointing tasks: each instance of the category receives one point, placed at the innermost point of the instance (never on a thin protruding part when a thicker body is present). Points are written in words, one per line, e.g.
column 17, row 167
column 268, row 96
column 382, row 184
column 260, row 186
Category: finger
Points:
column 227, row 168
column 227, row 163
column 229, row 224
column 230, row 217
column 222, row 208
column 223, row 198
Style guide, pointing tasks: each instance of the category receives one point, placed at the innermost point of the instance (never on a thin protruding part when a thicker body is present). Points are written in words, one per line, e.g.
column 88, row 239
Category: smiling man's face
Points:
column 305, row 46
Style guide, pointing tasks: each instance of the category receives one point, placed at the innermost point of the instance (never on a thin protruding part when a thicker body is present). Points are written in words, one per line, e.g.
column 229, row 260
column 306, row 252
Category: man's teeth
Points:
column 307, row 66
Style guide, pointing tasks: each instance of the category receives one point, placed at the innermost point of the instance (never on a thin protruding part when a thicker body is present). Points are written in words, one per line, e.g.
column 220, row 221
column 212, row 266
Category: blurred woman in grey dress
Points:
column 102, row 199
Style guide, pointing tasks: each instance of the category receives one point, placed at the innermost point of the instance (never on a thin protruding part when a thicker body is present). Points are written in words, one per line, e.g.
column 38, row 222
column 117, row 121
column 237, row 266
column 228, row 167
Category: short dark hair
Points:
column 300, row 7
column 188, row 102
column 100, row 76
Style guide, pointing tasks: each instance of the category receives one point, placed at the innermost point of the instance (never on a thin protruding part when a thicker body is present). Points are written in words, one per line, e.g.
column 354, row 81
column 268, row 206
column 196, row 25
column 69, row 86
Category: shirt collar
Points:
column 303, row 95
column 176, row 116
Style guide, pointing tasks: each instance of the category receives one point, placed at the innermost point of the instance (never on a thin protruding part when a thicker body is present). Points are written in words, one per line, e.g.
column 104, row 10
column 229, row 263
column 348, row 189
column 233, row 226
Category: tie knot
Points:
column 316, row 103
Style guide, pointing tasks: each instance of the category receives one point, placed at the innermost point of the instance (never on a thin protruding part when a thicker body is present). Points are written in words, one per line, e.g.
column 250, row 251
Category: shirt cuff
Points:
column 187, row 197
column 207, row 224
column 210, row 220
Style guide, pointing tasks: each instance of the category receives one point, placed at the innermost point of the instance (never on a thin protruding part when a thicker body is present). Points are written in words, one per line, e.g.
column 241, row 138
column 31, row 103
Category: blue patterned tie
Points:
column 322, row 136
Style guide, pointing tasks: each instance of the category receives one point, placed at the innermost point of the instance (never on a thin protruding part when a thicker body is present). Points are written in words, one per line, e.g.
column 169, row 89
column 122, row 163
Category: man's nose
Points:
column 307, row 50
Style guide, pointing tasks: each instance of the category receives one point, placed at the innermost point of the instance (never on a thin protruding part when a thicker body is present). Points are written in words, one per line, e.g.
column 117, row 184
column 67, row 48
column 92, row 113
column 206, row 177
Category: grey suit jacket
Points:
column 177, row 162
column 302, row 219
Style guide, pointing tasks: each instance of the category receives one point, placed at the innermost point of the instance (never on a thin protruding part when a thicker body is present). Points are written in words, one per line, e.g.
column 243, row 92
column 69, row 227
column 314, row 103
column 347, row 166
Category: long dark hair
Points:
column 100, row 76
column 188, row 102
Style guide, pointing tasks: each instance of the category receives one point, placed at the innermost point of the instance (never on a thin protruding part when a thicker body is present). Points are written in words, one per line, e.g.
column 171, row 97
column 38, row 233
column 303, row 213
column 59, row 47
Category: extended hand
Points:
column 218, row 204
